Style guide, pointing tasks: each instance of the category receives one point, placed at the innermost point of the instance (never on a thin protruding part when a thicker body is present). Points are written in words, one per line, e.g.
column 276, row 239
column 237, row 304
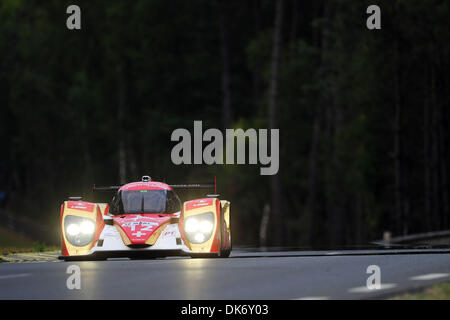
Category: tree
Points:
column 275, row 180
column 226, row 72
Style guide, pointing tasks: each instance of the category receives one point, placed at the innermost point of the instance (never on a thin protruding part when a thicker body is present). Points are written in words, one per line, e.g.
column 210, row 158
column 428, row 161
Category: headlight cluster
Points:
column 199, row 228
column 79, row 231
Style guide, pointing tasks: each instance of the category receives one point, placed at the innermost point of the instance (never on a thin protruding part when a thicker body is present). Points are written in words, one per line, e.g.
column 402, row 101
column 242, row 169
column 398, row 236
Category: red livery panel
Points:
column 145, row 186
column 139, row 227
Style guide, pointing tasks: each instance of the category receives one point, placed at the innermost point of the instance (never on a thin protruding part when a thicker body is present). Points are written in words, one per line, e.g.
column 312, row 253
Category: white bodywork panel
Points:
column 112, row 241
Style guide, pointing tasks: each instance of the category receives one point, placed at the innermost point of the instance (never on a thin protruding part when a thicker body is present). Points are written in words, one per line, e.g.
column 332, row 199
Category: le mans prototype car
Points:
column 145, row 219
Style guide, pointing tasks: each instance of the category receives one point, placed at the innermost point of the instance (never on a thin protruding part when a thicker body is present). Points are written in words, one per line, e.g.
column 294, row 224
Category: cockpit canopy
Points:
column 145, row 201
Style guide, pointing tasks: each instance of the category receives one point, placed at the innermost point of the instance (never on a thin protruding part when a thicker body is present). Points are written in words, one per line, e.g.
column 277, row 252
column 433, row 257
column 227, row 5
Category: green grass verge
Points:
column 12, row 239
column 13, row 242
column 437, row 292
column 41, row 248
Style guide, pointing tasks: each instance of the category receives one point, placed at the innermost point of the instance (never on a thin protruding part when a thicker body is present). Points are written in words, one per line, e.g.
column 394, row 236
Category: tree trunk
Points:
column 333, row 119
column 435, row 154
column 226, row 73
column 276, row 210
column 263, row 227
column 426, row 154
column 321, row 39
column 397, row 148
column 131, row 156
column 121, row 130
column 256, row 72
column 312, row 177
column 294, row 22
column 444, row 169
column 338, row 193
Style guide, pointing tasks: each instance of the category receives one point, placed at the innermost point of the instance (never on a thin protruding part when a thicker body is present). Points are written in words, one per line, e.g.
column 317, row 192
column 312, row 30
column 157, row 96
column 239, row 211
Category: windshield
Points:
column 146, row 201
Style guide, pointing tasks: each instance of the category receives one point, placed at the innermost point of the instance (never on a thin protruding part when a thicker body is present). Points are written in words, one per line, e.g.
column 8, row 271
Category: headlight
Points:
column 206, row 226
column 191, row 225
column 87, row 227
column 199, row 228
column 73, row 229
column 79, row 231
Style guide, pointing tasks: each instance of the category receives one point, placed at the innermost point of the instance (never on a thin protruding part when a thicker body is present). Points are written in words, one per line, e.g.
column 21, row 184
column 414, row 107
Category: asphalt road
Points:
column 245, row 275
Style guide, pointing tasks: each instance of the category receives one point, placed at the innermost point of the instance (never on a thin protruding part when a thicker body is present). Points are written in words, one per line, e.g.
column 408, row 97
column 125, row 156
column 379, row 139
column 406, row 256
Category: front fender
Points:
column 196, row 207
column 82, row 209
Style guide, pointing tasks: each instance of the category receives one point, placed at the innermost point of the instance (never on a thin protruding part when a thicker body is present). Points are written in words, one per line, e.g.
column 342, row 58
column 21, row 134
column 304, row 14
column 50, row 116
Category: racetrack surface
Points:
column 245, row 275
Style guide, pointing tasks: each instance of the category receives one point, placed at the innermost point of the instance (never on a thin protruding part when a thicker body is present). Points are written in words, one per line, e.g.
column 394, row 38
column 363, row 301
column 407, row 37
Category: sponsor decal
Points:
column 80, row 205
column 198, row 203
column 169, row 234
column 139, row 228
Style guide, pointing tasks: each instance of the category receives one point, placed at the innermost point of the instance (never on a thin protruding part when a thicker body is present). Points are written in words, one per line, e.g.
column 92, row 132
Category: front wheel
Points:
column 204, row 255
column 225, row 238
column 225, row 253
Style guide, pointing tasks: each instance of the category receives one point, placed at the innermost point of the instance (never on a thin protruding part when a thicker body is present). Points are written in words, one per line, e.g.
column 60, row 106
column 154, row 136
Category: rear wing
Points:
column 174, row 186
column 196, row 185
column 105, row 188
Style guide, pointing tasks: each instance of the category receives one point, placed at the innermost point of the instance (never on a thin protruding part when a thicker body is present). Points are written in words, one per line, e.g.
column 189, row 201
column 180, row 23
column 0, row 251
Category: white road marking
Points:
column 429, row 276
column 17, row 275
column 364, row 289
column 312, row 298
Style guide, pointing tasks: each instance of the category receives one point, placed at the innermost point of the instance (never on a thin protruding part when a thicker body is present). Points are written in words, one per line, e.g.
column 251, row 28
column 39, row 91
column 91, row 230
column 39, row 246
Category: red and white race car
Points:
column 145, row 219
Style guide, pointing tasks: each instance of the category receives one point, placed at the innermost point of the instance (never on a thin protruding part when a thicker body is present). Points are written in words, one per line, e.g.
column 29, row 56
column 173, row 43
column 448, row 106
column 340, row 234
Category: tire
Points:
column 204, row 255
column 224, row 253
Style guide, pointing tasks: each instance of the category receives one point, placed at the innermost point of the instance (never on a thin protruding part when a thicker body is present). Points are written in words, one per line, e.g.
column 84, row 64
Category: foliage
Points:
column 62, row 94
